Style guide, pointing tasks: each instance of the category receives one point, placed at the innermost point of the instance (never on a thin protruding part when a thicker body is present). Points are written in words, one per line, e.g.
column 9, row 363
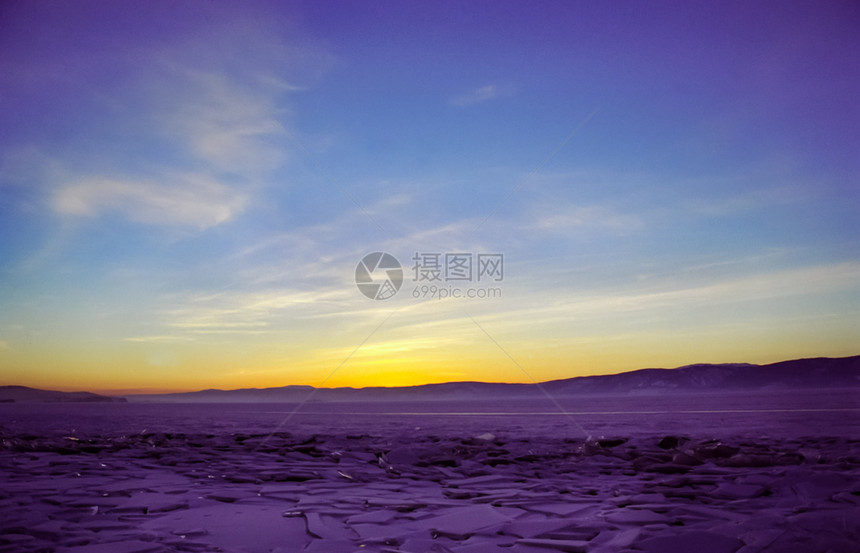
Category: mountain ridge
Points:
column 818, row 372
column 807, row 373
column 25, row 394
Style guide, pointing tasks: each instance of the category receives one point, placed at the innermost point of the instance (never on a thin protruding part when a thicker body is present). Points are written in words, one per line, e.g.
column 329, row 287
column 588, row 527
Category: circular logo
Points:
column 379, row 275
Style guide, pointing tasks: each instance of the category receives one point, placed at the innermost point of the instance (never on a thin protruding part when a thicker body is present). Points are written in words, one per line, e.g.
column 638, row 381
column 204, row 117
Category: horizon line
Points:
column 122, row 392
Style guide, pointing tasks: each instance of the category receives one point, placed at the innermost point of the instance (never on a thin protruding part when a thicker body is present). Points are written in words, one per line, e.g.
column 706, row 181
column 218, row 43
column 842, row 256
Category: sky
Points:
column 187, row 189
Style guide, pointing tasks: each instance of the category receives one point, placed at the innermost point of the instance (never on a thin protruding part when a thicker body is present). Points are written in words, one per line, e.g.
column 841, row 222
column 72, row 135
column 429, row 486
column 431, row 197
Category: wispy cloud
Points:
column 222, row 121
column 183, row 134
column 572, row 216
column 188, row 199
column 557, row 308
column 764, row 197
column 480, row 95
column 214, row 125
column 250, row 312
column 5, row 345
column 164, row 339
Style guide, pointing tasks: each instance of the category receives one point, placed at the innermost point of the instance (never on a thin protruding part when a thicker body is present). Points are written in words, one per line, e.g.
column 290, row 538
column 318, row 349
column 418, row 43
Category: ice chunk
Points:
column 535, row 528
column 327, row 527
column 636, row 516
column 698, row 541
column 462, row 522
column 568, row 546
column 126, row 546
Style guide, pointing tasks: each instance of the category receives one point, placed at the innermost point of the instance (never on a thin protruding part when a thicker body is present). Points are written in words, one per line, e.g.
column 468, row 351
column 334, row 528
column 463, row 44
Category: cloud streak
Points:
column 797, row 282
column 221, row 122
column 572, row 217
column 480, row 95
column 162, row 339
column 185, row 133
column 179, row 200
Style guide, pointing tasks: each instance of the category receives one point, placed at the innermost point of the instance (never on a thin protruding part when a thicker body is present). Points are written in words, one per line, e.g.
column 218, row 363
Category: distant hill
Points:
column 23, row 394
column 822, row 372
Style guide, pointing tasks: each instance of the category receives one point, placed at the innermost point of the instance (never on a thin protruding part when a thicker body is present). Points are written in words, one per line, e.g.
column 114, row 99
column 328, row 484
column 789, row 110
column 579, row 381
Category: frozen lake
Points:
column 714, row 473
column 773, row 414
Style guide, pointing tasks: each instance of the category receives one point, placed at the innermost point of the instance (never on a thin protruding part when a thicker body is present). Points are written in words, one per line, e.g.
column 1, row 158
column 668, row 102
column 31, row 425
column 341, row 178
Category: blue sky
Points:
column 185, row 190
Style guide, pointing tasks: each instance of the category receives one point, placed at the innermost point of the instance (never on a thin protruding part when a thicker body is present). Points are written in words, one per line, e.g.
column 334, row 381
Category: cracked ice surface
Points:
column 487, row 485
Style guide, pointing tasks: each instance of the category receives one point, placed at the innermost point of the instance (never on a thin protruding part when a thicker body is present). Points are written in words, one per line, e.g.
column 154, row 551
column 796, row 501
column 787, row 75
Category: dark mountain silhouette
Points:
column 820, row 372
column 23, row 394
